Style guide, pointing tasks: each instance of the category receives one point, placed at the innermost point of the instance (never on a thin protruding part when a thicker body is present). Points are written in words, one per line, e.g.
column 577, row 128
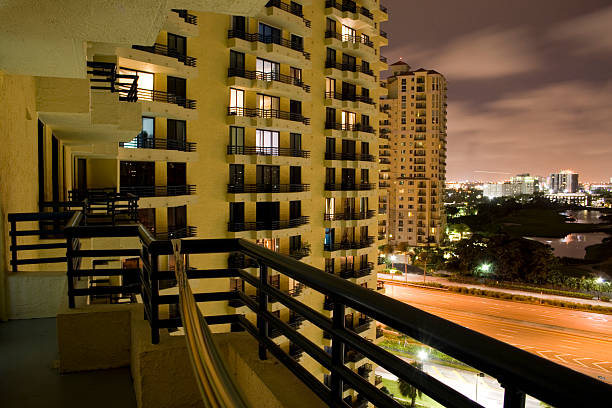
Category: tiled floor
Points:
column 28, row 351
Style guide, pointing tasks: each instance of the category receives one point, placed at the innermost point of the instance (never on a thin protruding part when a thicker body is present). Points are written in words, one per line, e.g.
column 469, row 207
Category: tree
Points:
column 408, row 390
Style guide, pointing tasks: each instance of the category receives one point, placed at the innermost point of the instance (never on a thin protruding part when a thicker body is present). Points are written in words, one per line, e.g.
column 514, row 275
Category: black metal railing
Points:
column 383, row 9
column 269, row 39
column 161, row 96
column 267, row 151
column 189, row 18
column 161, row 49
column 349, row 6
column 144, row 141
column 351, row 273
column 349, row 67
column 289, row 8
column 268, row 77
column 349, row 97
column 174, row 233
column 267, row 114
column 268, row 224
column 355, row 39
column 267, row 188
column 349, row 156
column 384, row 34
column 159, row 191
column 104, row 76
column 349, row 186
column 383, row 59
column 354, row 127
column 349, row 216
column 518, row 371
column 346, row 245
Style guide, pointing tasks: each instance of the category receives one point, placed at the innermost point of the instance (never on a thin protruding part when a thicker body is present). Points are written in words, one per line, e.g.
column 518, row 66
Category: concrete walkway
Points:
column 418, row 278
column 28, row 377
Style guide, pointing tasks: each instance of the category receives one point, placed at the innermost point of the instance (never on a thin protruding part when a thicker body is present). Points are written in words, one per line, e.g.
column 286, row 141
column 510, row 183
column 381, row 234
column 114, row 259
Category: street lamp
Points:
column 478, row 376
column 599, row 281
column 485, row 267
column 422, row 355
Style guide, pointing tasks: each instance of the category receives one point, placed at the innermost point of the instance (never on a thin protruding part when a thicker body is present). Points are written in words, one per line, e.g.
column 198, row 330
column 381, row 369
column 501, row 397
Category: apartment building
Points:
column 255, row 120
column 414, row 158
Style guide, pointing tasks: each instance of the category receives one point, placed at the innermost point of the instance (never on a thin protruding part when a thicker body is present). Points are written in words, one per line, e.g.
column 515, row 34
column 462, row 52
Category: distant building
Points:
column 518, row 185
column 563, row 182
column 569, row 198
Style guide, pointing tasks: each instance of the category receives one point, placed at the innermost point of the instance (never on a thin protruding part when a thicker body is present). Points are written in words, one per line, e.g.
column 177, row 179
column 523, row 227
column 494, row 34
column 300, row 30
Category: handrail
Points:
column 514, row 368
column 267, row 77
column 212, row 376
column 268, row 39
column 162, row 49
column 267, row 114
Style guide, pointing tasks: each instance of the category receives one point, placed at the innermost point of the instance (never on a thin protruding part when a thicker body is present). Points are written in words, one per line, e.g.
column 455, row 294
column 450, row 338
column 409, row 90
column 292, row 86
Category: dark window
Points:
column 365, row 148
column 177, row 134
column 330, row 25
column 348, row 177
column 177, row 218
column 82, row 174
column 269, row 176
column 365, row 93
column 329, row 262
column 297, row 42
column 295, row 175
column 330, row 145
column 177, row 174
column 330, row 115
column 296, row 8
column 295, row 141
column 349, row 62
column 331, row 56
column 177, row 86
column 365, row 120
column 236, row 62
column 135, row 174
column 239, row 23
column 55, row 168
column 330, row 175
column 348, row 146
column 269, row 34
column 295, row 209
column 365, row 176
column 177, row 46
column 146, row 216
column 348, row 91
column 295, row 243
column 365, row 66
column 236, row 213
column 295, row 107
column 236, row 174
column 267, row 212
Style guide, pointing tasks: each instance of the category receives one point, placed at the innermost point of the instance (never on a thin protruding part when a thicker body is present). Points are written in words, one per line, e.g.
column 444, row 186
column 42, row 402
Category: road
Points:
column 579, row 340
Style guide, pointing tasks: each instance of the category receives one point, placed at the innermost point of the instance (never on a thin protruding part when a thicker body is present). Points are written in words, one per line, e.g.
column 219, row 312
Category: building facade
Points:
column 255, row 120
column 565, row 181
column 415, row 155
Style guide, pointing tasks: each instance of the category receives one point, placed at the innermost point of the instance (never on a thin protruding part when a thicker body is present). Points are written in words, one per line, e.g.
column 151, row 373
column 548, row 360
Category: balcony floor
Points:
column 29, row 379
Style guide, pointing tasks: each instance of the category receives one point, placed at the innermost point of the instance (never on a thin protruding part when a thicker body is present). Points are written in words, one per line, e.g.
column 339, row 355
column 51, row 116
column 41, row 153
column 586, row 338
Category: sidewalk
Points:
column 418, row 278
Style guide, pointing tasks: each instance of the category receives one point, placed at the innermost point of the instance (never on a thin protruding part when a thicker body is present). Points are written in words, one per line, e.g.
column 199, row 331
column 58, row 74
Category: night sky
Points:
column 530, row 87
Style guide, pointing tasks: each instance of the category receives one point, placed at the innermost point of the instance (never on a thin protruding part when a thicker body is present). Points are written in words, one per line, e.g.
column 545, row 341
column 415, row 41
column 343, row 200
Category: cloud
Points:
column 484, row 54
column 591, row 33
column 540, row 130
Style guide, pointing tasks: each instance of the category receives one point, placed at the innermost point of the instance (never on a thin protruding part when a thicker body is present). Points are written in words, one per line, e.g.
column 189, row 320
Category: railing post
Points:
column 513, row 397
column 154, row 298
column 262, row 323
column 70, row 269
column 14, row 245
column 337, row 351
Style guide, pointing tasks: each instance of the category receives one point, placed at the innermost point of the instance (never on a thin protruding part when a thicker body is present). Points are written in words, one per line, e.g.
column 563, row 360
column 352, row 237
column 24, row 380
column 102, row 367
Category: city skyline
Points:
column 525, row 89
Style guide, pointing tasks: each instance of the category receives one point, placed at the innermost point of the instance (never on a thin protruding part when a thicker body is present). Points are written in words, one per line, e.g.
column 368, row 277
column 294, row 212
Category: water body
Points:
column 573, row 245
column 584, row 216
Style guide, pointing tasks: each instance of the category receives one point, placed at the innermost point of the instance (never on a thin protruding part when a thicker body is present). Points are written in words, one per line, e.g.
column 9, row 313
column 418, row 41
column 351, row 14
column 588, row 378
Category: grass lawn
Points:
column 544, row 223
column 422, row 401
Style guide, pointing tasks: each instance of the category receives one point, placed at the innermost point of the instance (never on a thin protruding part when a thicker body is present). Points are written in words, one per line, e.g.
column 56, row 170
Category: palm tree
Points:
column 408, row 390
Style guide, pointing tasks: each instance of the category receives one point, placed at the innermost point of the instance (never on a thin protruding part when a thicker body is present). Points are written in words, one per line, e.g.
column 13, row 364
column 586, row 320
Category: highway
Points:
column 579, row 340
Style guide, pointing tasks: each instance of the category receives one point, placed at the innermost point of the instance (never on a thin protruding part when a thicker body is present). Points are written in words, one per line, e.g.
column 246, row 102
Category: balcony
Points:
column 189, row 18
column 268, row 45
column 365, row 370
column 267, row 151
column 158, row 191
column 354, row 39
column 349, row 67
column 270, row 77
column 268, row 225
column 267, row 188
column 350, row 216
column 267, row 114
column 384, row 184
column 521, row 372
column 357, row 273
column 175, row 233
column 165, row 97
column 361, row 325
column 349, row 186
column 349, row 97
column 142, row 141
column 360, row 15
column 288, row 16
column 349, row 156
column 384, row 161
column 349, row 245
column 349, row 127
column 161, row 49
